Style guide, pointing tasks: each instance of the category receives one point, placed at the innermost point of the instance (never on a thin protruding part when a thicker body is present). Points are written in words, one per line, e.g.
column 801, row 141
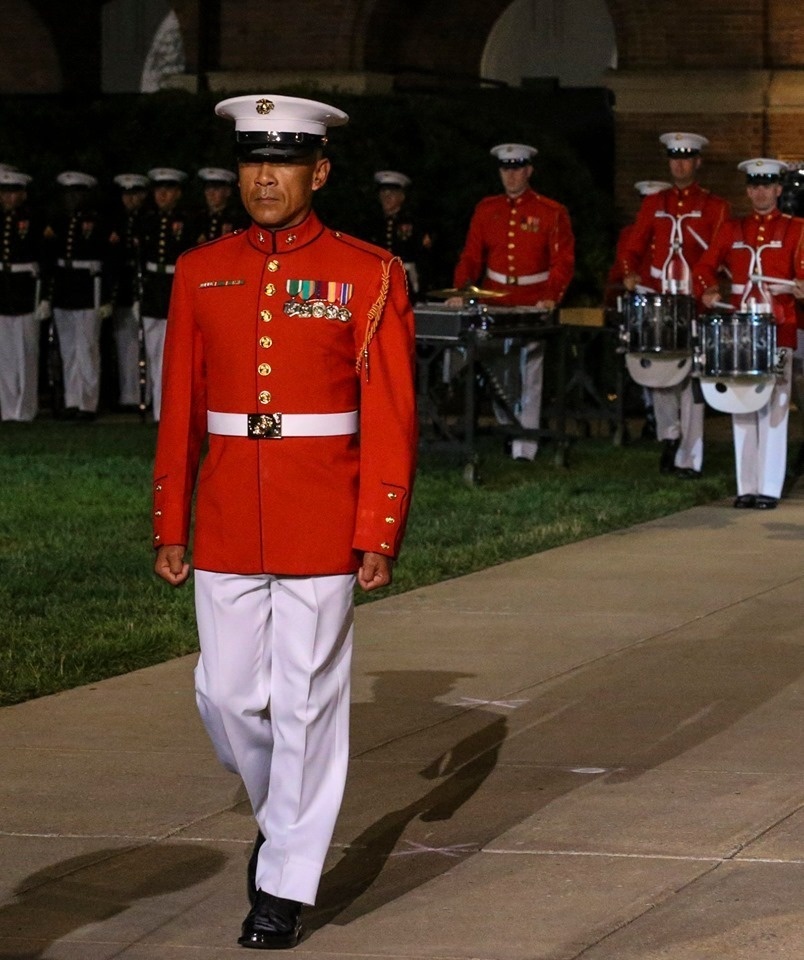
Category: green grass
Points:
column 78, row 600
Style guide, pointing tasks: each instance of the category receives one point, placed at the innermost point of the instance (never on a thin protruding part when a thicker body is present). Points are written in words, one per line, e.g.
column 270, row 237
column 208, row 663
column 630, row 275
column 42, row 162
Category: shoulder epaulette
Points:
column 363, row 245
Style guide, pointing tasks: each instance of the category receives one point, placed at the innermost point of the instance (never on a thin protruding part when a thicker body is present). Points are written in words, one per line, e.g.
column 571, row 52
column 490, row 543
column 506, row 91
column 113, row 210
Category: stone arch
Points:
column 30, row 61
column 570, row 40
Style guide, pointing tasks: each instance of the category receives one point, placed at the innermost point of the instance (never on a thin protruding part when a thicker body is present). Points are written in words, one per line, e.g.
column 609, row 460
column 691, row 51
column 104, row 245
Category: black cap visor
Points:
column 259, row 146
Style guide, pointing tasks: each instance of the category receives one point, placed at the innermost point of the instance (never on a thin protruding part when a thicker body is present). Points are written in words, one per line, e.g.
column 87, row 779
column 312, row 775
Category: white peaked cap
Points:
column 514, row 154
column 690, row 143
column 166, row 175
column 132, row 181
column 648, row 187
column 216, row 175
column 74, row 178
column 762, row 168
column 391, row 178
column 14, row 178
column 270, row 112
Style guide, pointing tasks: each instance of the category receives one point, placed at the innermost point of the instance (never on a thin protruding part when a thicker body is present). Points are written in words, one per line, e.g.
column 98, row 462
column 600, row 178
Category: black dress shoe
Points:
column 251, row 870
column 765, row 503
column 745, row 501
column 273, row 923
column 667, row 459
column 687, row 473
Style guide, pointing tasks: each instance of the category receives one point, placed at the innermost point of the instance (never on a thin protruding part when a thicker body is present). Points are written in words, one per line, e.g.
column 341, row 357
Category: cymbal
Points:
column 469, row 292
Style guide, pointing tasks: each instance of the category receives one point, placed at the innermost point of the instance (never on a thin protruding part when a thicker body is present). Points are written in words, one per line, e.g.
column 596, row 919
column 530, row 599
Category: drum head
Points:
column 731, row 396
column 655, row 370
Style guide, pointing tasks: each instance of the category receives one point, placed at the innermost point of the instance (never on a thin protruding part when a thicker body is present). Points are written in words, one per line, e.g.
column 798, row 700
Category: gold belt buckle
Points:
column 265, row 426
column 511, row 281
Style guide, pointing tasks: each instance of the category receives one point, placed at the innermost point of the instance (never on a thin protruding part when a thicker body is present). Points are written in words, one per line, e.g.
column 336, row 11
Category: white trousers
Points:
column 79, row 345
column 522, row 366
column 154, row 331
column 19, row 367
column 126, row 337
column 760, row 441
column 678, row 417
column 272, row 685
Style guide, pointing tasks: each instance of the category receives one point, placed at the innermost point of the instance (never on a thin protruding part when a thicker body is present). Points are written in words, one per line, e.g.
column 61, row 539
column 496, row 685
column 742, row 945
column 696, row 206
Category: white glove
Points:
column 42, row 311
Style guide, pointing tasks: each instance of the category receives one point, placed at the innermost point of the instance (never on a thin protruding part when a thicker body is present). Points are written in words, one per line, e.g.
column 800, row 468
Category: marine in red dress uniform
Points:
column 770, row 244
column 680, row 221
column 290, row 347
column 521, row 244
column 614, row 287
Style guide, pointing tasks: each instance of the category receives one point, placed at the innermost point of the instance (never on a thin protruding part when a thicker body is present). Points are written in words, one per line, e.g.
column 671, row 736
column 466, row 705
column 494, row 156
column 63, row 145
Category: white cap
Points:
column 216, row 175
column 14, row 179
column 513, row 154
column 270, row 126
column 648, row 187
column 761, row 169
column 683, row 144
column 74, row 178
column 132, row 181
column 166, row 175
column 392, row 178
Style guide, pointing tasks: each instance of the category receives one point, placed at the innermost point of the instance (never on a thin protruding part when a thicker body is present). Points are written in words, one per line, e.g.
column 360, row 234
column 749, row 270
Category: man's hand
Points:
column 630, row 281
column 710, row 297
column 454, row 302
column 375, row 571
column 170, row 565
column 546, row 305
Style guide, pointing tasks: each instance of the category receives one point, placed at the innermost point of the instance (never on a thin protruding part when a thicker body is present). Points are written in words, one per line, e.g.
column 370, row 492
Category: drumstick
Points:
column 723, row 306
column 758, row 278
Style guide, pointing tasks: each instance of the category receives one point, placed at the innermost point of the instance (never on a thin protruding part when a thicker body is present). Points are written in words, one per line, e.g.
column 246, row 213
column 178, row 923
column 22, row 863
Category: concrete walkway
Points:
column 595, row 753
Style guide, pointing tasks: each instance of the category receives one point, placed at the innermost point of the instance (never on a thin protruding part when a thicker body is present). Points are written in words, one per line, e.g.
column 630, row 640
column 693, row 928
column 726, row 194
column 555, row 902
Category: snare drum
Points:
column 659, row 323
column 657, row 331
column 737, row 360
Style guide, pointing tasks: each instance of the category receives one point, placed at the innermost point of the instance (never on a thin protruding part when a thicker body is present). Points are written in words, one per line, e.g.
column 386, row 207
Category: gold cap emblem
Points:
column 264, row 106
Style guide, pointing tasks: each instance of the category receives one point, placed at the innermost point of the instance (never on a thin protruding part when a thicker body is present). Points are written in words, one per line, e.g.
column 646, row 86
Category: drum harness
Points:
column 757, row 280
column 675, row 254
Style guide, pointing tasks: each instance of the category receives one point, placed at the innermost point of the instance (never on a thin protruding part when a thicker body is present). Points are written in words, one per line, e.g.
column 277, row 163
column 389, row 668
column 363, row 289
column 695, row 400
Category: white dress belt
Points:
column 152, row 267
column 21, row 268
column 276, row 425
column 518, row 281
column 94, row 266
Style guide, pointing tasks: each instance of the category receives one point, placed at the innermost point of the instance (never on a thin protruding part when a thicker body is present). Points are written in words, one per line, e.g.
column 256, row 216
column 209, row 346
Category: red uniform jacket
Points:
column 528, row 235
column 294, row 505
column 650, row 238
column 785, row 262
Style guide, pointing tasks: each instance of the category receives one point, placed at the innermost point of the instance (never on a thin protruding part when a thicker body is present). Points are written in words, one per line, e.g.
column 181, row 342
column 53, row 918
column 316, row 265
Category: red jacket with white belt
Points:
column 525, row 236
column 785, row 262
column 649, row 241
column 292, row 505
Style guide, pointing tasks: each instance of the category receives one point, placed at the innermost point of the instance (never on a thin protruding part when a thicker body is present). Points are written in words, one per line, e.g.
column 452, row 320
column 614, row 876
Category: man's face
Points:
column 515, row 179
column 133, row 199
column 217, row 196
column 280, row 195
column 391, row 200
column 74, row 198
column 763, row 196
column 166, row 196
column 11, row 198
column 683, row 170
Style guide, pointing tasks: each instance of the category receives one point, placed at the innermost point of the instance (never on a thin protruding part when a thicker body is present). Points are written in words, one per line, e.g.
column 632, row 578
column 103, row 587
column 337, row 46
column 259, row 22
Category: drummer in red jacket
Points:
column 521, row 244
column 290, row 351
column 674, row 227
column 764, row 254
